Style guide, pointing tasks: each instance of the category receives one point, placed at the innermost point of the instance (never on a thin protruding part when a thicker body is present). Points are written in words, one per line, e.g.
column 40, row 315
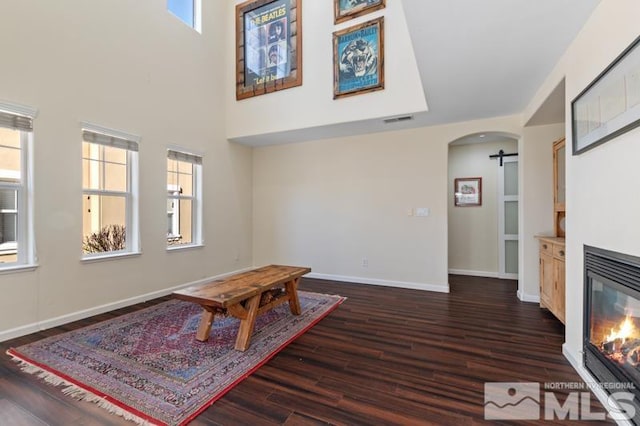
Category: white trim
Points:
column 197, row 15
column 509, row 276
column 598, row 391
column 18, row 109
column 85, row 125
column 373, row 281
column 470, row 273
column 523, row 297
column 101, row 257
column 85, row 313
column 17, row 268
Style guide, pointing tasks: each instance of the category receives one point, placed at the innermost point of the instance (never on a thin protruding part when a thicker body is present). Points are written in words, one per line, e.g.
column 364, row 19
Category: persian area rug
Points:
column 148, row 367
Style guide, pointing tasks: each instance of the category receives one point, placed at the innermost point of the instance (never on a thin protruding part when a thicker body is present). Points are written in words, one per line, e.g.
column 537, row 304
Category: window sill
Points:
column 106, row 257
column 185, row 247
column 18, row 268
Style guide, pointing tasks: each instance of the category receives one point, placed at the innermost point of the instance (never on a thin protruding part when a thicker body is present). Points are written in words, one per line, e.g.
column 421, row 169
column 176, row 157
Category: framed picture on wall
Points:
column 349, row 9
column 268, row 46
column 610, row 105
column 467, row 191
column 358, row 59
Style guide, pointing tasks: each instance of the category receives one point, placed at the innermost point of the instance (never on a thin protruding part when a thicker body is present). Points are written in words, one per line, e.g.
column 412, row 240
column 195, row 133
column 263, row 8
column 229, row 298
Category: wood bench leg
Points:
column 292, row 292
column 246, row 324
column 205, row 323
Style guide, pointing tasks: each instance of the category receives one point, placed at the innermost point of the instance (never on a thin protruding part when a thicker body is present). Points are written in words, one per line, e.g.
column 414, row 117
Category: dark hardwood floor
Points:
column 386, row 356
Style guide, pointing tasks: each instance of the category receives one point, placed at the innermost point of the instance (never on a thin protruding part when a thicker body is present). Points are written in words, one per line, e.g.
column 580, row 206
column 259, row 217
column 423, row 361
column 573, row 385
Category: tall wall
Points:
column 330, row 204
column 536, row 188
column 134, row 67
column 602, row 207
column 312, row 104
column 473, row 231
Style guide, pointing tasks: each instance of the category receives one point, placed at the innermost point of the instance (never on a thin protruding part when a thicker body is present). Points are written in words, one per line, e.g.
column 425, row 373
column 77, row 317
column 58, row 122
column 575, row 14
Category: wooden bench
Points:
column 240, row 295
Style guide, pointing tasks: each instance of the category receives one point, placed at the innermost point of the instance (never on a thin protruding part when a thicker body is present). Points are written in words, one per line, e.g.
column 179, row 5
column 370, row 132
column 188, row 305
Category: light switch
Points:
column 422, row 211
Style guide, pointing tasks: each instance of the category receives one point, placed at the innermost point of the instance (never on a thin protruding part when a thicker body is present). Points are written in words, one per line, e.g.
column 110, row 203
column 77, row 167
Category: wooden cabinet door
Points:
column 559, row 289
column 546, row 281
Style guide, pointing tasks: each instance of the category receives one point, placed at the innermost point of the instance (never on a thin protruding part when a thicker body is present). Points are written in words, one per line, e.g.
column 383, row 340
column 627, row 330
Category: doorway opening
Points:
column 483, row 238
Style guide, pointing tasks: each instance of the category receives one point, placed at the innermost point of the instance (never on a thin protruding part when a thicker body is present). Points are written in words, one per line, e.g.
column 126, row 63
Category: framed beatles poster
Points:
column 349, row 9
column 358, row 59
column 268, row 46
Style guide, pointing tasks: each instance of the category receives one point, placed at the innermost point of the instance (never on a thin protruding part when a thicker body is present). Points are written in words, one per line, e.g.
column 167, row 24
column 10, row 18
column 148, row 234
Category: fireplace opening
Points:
column 612, row 321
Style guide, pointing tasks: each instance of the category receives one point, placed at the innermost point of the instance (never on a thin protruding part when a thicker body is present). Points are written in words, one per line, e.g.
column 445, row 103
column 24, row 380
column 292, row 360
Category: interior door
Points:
column 508, row 218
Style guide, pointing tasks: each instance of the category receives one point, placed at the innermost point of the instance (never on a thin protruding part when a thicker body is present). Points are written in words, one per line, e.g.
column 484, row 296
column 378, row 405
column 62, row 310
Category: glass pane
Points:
column 172, row 165
column 185, row 221
column 8, row 200
column 511, row 178
column 9, row 164
column 172, row 181
column 511, row 256
column 115, row 177
column 511, row 217
column 179, row 229
column 92, row 174
column 10, row 138
column 91, row 151
column 186, row 184
column 104, row 219
column 115, row 155
column 185, row 177
column 8, row 218
column 183, row 9
column 561, row 175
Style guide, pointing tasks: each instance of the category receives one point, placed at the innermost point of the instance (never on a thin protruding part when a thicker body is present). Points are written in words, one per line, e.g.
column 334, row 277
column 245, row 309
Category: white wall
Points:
column 134, row 67
column 602, row 210
column 536, row 202
column 473, row 231
column 312, row 104
column 328, row 204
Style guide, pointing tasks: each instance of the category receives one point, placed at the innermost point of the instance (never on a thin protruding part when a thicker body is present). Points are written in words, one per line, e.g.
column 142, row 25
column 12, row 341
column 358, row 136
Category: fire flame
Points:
column 625, row 331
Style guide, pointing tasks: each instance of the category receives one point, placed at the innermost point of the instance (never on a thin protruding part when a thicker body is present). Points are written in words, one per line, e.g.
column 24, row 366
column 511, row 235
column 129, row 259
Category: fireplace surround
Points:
column 612, row 321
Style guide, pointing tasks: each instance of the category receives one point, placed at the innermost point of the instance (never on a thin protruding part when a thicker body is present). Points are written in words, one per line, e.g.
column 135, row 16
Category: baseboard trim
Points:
column 528, row 297
column 598, row 391
column 85, row 313
column 386, row 283
column 470, row 273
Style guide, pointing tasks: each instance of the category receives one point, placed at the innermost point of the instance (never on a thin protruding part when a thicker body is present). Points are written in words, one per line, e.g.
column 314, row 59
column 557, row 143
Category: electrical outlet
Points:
column 365, row 262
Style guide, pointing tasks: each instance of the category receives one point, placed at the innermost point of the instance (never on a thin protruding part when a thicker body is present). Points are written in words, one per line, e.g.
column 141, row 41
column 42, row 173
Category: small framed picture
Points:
column 358, row 59
column 467, row 191
column 349, row 9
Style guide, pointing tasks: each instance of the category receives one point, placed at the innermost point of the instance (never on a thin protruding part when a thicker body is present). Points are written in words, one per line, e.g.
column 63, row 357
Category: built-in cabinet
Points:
column 552, row 288
column 552, row 248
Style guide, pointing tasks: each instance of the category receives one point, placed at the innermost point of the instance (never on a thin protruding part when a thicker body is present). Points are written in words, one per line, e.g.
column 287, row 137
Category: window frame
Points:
column 131, row 195
column 174, row 192
column 25, row 229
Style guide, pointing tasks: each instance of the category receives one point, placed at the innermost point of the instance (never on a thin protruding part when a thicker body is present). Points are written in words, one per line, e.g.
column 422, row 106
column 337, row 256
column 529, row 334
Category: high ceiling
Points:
column 486, row 58
column 477, row 59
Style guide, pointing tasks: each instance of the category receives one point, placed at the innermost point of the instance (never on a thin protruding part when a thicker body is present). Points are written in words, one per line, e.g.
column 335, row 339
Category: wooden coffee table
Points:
column 240, row 296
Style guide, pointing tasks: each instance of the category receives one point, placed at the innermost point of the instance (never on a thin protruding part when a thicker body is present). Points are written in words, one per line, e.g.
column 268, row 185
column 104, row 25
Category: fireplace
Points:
column 612, row 321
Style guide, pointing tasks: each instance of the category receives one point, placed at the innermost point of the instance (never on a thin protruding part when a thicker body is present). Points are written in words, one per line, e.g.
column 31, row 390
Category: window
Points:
column 188, row 11
column 16, row 215
column 184, row 199
column 109, row 192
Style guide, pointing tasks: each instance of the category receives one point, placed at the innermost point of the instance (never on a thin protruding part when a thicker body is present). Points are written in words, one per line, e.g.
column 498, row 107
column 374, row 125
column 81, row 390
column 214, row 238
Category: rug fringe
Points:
column 77, row 392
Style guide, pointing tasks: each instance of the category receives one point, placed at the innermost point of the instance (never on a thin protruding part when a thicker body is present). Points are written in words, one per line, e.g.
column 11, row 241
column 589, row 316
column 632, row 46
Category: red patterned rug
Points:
column 147, row 366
